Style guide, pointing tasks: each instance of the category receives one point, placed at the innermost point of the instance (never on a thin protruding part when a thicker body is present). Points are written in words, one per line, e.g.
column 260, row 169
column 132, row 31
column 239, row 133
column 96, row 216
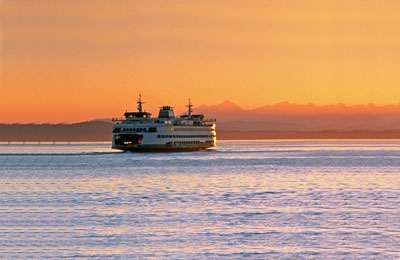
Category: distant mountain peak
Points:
column 226, row 105
column 227, row 102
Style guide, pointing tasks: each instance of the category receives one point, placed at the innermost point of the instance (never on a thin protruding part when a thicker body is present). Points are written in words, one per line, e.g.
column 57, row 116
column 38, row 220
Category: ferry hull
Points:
column 160, row 148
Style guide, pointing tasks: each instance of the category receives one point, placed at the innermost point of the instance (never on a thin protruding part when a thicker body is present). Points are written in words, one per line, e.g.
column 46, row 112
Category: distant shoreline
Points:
column 97, row 131
column 218, row 140
column 290, row 135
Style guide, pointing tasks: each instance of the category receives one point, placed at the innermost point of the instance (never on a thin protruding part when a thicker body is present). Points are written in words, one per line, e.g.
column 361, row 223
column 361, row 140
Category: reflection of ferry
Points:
column 138, row 131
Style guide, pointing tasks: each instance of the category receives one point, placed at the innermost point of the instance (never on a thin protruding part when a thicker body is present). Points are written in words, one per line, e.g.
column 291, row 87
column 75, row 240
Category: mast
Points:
column 190, row 110
column 140, row 104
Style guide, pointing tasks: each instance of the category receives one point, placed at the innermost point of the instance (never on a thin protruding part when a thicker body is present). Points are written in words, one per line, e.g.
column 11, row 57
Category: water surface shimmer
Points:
column 245, row 200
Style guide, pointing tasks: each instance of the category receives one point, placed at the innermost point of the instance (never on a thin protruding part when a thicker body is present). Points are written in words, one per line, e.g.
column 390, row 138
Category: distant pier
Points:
column 38, row 142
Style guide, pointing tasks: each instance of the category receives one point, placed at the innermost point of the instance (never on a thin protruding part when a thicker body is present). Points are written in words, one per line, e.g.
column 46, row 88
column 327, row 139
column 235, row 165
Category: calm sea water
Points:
column 245, row 200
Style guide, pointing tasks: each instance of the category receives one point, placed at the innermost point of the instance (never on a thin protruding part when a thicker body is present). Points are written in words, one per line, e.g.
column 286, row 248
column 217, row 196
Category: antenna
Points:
column 190, row 110
column 140, row 103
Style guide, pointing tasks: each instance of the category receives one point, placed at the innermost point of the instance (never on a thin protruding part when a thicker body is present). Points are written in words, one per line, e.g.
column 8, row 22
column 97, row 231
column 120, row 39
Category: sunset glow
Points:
column 72, row 60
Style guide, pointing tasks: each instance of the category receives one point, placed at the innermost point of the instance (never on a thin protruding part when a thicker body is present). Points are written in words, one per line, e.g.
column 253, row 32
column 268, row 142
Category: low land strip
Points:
column 96, row 131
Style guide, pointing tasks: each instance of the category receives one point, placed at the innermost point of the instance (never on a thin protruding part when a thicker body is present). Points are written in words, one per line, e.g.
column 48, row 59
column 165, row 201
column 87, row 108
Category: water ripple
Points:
column 246, row 200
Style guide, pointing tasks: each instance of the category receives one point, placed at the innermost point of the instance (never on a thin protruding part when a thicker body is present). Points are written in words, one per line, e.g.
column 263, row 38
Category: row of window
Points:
column 196, row 129
column 193, row 142
column 150, row 129
column 134, row 129
column 184, row 136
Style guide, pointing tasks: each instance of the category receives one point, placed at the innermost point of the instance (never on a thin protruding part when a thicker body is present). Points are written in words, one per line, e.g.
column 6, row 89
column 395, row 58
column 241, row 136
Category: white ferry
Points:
column 138, row 131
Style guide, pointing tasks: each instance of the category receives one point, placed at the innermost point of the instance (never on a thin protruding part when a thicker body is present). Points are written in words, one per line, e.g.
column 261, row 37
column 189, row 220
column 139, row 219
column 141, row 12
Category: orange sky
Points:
column 73, row 60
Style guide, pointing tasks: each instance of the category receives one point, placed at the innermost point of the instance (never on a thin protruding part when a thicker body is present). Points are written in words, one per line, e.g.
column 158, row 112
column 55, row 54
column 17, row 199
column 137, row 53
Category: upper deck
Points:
column 160, row 121
column 166, row 116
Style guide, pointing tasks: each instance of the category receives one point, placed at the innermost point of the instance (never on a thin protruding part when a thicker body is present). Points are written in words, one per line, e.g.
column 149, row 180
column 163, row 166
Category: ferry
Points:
column 140, row 132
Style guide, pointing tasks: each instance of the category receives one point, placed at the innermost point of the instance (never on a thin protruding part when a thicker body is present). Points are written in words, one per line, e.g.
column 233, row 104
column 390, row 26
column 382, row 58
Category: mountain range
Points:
column 286, row 108
column 292, row 117
column 279, row 121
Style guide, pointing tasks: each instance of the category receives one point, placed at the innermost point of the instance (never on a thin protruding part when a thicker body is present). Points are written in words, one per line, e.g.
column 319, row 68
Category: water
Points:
column 246, row 200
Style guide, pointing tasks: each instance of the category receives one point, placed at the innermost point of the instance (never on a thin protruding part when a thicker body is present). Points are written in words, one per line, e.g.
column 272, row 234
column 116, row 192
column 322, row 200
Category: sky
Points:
column 73, row 60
